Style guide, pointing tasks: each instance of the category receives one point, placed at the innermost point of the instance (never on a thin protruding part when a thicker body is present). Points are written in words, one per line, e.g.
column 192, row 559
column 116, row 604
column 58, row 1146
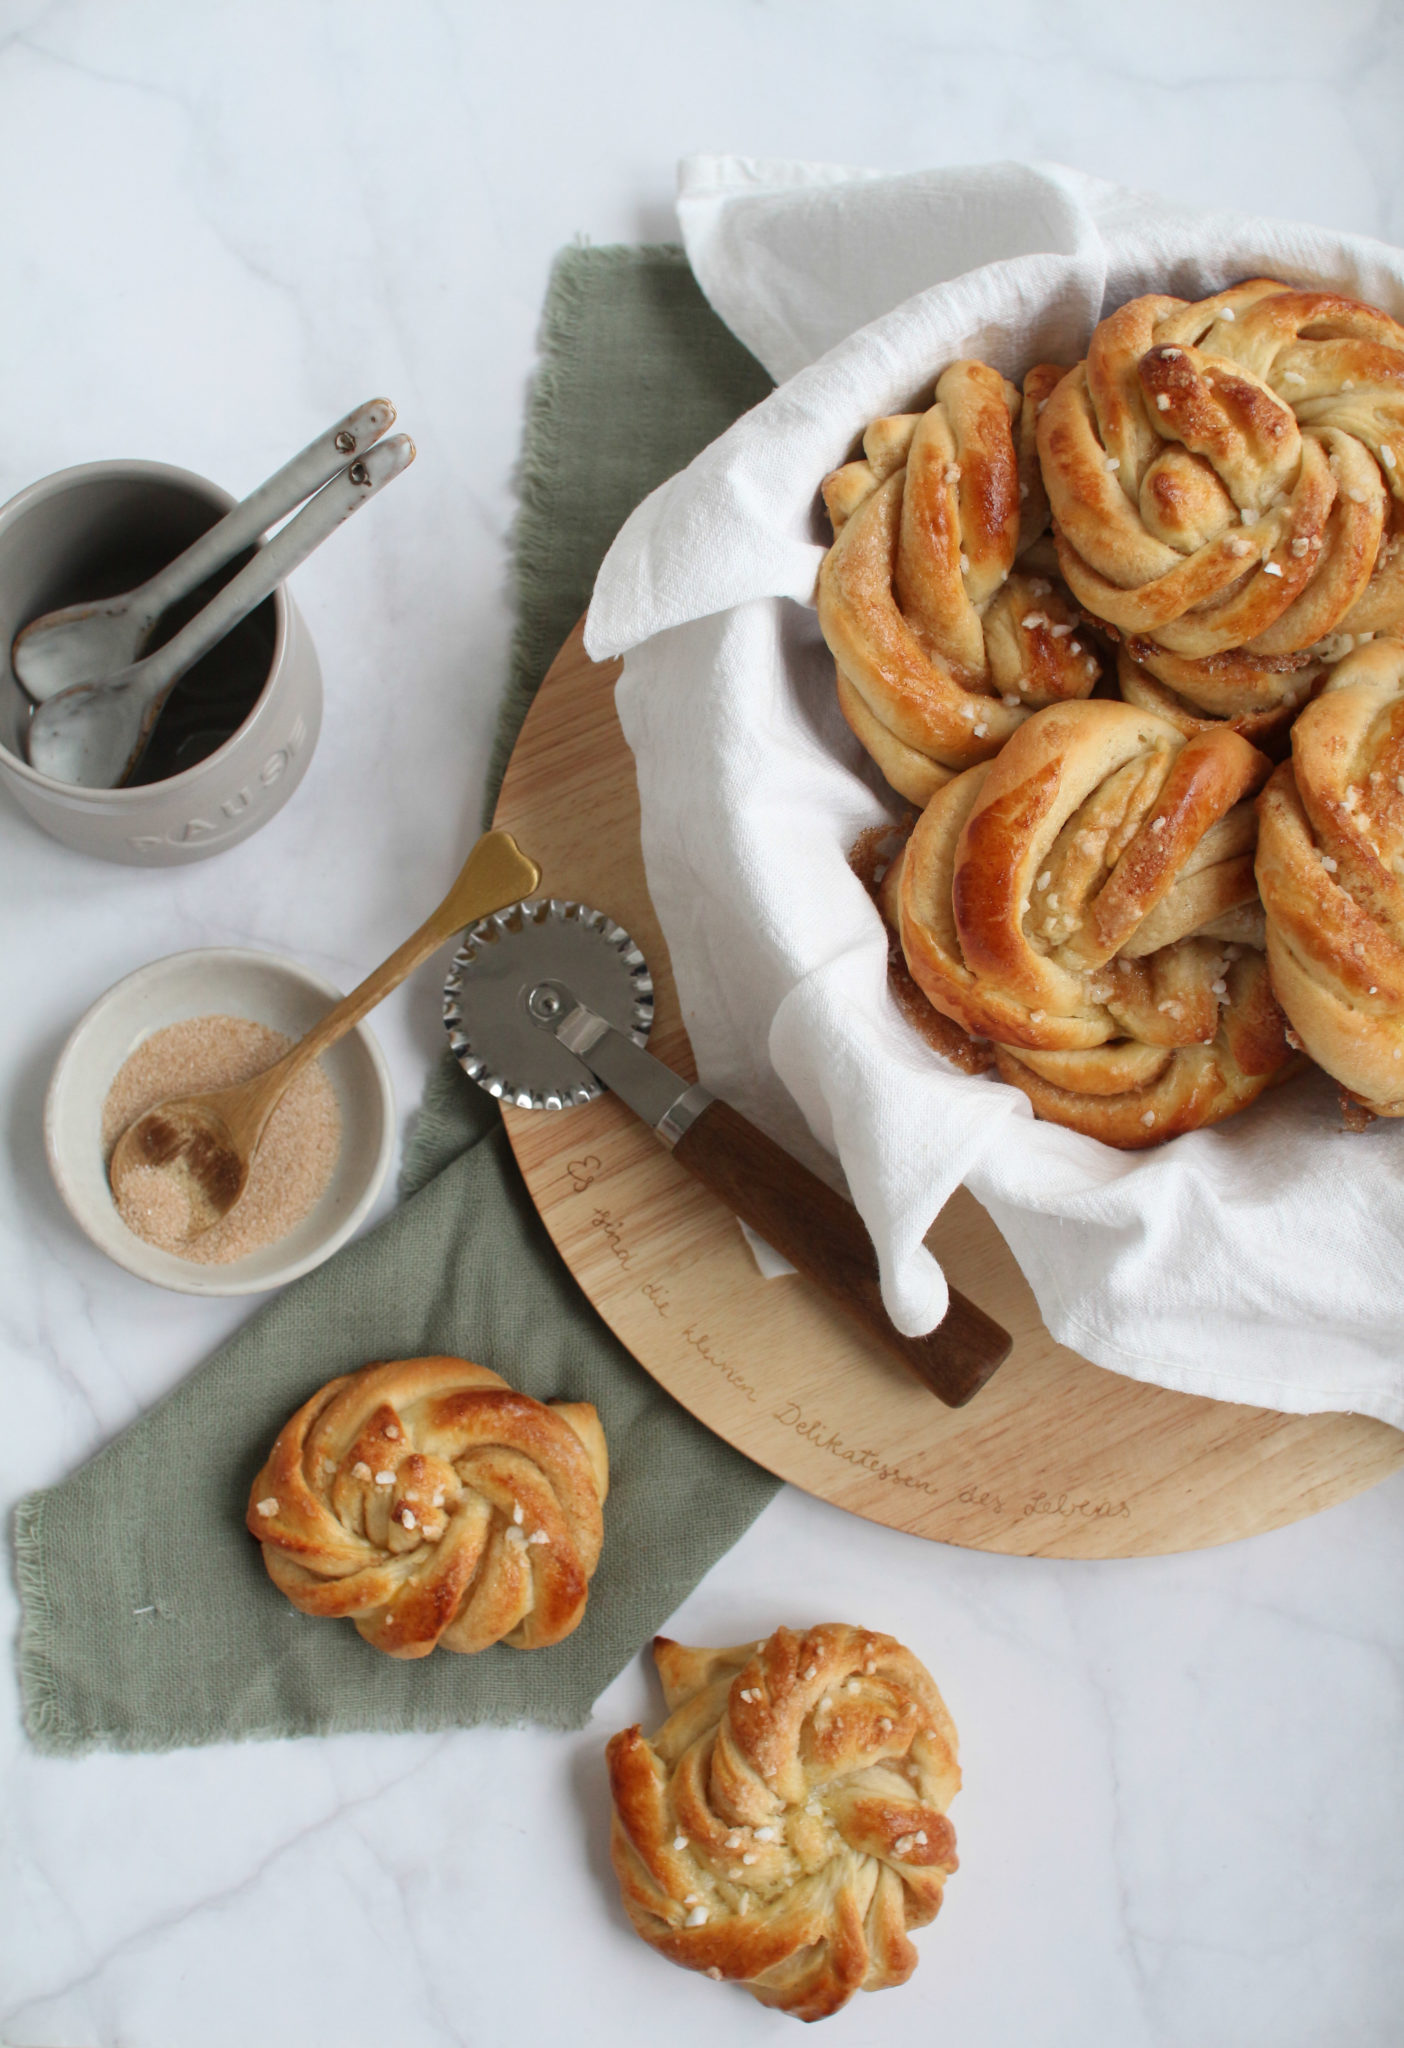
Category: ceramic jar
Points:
column 96, row 530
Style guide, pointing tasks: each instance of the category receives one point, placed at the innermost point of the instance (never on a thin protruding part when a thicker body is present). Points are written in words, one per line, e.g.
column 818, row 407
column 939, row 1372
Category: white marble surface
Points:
column 223, row 225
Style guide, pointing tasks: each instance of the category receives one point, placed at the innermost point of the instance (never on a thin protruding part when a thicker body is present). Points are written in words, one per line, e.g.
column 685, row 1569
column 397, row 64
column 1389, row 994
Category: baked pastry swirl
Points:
column 1087, row 902
column 433, row 1505
column 1226, row 479
column 787, row 1824
column 1255, row 695
column 1330, row 866
column 942, row 645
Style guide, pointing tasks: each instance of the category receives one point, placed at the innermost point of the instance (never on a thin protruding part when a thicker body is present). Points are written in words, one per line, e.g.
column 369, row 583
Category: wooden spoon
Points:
column 206, row 1143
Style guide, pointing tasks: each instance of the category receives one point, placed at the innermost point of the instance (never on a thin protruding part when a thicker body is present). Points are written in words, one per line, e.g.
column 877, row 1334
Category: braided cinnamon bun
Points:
column 1227, row 488
column 433, row 1505
column 1330, row 865
column 787, row 1824
column 1087, row 903
column 942, row 644
column 1254, row 695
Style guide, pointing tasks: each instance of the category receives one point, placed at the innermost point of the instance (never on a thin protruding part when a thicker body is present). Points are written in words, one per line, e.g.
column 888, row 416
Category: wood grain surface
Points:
column 821, row 1233
column 1054, row 1458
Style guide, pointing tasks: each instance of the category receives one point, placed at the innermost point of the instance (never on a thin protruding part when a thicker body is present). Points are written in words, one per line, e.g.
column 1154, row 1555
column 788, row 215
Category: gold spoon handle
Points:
column 495, row 874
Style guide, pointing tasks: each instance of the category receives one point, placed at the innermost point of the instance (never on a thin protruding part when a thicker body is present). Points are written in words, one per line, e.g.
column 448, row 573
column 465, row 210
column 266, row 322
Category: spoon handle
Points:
column 95, row 734
column 282, row 493
column 495, row 874
column 158, row 674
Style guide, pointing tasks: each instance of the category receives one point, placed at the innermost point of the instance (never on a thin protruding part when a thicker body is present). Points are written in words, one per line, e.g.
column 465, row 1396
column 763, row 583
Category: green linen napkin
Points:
column 148, row 1619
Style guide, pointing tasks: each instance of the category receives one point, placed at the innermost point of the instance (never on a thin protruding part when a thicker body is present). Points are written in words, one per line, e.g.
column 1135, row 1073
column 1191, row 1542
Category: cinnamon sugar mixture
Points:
column 291, row 1167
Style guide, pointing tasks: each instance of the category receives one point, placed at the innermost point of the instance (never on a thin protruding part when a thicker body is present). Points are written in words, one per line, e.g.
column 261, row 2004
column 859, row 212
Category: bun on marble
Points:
column 1087, row 904
column 1330, row 866
column 939, row 598
column 432, row 1505
column 786, row 1827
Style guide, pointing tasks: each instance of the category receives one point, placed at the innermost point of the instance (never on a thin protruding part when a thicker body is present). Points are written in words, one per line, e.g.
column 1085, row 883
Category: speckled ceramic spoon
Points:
column 205, row 1144
column 96, row 733
column 83, row 643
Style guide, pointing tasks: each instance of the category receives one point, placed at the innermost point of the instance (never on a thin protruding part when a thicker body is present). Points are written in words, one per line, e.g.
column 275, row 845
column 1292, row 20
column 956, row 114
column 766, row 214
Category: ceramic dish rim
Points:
column 131, row 1253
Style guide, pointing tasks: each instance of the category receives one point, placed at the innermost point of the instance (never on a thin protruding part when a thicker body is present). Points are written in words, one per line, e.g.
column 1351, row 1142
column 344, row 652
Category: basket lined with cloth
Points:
column 1243, row 1261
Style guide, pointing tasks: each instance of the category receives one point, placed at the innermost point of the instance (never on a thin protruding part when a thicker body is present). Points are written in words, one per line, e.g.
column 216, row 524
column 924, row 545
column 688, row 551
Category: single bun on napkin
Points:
column 1226, row 481
column 433, row 1505
column 787, row 1825
column 1331, row 869
column 941, row 645
column 1087, row 903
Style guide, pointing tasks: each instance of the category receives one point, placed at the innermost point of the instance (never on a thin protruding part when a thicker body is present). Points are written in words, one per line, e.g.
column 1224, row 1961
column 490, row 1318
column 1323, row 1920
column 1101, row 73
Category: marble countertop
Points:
column 225, row 224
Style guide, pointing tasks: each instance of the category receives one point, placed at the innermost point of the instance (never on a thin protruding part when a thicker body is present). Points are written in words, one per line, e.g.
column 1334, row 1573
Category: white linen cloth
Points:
column 1259, row 1261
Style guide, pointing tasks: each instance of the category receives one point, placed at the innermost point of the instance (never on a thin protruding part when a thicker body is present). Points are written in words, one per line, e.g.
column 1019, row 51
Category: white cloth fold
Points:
column 1259, row 1261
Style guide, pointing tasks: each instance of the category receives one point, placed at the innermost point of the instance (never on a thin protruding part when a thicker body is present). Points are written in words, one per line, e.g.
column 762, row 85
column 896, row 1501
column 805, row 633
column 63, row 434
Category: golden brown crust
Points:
column 1111, row 1092
column 1256, row 696
column 941, row 645
column 1228, row 476
column 432, row 1504
column 1330, row 865
column 876, row 859
column 1087, row 903
column 787, row 1825
column 1225, row 482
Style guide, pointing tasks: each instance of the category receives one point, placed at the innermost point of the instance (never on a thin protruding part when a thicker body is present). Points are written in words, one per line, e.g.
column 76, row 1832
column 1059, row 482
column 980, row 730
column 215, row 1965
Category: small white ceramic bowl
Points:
column 229, row 981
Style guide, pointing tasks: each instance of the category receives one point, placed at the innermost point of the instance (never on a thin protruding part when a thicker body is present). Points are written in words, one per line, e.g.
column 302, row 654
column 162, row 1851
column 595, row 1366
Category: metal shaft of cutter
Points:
column 654, row 1092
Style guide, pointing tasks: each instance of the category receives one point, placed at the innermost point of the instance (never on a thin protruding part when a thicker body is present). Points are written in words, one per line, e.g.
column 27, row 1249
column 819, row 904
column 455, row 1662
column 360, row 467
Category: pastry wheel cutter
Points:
column 549, row 1004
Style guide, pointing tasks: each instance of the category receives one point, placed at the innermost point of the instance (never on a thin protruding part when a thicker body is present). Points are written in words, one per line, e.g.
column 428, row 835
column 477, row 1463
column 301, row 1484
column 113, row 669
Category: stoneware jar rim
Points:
column 138, row 467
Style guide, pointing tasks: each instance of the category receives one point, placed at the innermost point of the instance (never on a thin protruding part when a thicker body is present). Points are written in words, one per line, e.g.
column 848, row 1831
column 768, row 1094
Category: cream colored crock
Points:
column 49, row 535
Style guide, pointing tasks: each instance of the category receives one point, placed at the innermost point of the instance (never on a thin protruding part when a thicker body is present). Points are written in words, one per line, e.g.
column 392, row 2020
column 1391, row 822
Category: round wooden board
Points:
column 1055, row 1458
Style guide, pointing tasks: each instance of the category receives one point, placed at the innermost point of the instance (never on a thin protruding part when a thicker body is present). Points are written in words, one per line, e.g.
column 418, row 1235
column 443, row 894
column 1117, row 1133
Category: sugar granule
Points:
column 291, row 1167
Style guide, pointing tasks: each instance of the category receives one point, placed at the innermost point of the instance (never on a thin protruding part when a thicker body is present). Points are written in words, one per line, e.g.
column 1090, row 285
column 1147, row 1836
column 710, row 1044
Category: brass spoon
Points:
column 206, row 1143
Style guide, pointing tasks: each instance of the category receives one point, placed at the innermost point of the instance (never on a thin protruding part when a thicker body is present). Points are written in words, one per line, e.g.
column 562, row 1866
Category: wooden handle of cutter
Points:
column 823, row 1237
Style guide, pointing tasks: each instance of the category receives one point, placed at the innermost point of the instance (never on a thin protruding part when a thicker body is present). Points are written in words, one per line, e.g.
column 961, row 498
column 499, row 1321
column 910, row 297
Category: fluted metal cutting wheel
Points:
column 502, row 959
